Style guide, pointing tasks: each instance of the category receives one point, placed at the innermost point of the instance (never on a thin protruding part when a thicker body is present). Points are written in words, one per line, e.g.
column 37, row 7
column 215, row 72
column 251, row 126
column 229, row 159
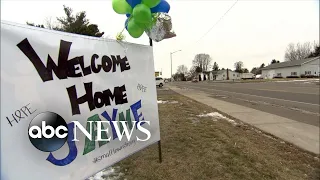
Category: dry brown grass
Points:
column 200, row 148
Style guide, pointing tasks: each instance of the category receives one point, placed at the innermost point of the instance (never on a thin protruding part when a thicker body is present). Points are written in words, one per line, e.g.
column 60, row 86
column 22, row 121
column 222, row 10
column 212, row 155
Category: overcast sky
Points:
column 253, row 32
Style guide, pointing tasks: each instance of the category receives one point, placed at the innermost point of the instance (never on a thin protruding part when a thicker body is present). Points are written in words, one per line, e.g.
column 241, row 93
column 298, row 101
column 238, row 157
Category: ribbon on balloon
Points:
column 141, row 14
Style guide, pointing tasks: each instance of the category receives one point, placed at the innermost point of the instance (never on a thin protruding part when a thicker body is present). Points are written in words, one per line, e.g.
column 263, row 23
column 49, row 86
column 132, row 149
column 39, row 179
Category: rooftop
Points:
column 289, row 63
column 221, row 71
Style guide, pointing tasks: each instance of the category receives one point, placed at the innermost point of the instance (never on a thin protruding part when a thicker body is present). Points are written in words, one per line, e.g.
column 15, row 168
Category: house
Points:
column 301, row 68
column 205, row 76
column 247, row 76
column 210, row 76
column 200, row 76
column 225, row 75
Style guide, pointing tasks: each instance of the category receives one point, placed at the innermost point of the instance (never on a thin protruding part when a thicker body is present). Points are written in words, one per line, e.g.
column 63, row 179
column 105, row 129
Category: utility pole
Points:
column 171, row 61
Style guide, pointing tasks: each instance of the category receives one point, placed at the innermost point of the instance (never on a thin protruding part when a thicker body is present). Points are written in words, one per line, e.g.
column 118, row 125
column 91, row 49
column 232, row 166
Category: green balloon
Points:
column 151, row 3
column 142, row 13
column 148, row 25
column 121, row 7
column 134, row 29
column 145, row 25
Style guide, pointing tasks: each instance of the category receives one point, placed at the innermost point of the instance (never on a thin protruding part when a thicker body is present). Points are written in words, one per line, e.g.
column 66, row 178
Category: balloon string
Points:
column 122, row 30
column 119, row 36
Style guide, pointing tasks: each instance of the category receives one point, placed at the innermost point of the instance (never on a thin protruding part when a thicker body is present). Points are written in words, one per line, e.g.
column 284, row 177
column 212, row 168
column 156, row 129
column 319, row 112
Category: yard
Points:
column 199, row 143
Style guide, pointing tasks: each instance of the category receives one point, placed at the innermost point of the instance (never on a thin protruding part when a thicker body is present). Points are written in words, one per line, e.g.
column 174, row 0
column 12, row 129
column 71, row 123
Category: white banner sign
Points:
column 62, row 99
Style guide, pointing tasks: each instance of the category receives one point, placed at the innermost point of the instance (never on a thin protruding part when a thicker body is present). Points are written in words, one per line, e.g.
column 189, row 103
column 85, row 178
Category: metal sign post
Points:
column 159, row 142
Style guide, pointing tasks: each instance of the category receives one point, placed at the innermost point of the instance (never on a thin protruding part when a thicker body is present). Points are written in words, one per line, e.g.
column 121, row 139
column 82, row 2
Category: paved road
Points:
column 296, row 100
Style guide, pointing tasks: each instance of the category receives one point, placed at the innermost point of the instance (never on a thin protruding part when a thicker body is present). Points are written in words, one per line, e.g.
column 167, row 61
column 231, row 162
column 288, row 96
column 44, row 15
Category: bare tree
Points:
column 182, row 69
column 290, row 54
column 206, row 63
column 194, row 70
column 303, row 50
column 299, row 51
column 316, row 50
column 203, row 61
column 238, row 66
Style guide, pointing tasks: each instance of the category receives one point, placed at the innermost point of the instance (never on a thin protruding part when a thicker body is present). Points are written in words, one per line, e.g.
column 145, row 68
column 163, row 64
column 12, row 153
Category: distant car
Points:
column 159, row 81
column 195, row 80
column 259, row 76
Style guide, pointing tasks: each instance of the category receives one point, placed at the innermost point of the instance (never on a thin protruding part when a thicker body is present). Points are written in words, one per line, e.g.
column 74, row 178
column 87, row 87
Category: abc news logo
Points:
column 48, row 131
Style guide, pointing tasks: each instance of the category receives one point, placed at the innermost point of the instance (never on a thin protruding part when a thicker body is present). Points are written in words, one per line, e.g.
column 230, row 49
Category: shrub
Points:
column 277, row 77
column 292, row 77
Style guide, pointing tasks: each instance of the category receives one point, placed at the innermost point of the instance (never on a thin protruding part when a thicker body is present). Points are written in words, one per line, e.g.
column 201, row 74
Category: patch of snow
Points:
column 107, row 174
column 195, row 121
column 212, row 114
column 231, row 121
column 161, row 102
column 268, row 136
column 217, row 95
column 299, row 80
column 219, row 116
column 304, row 80
column 257, row 131
column 169, row 102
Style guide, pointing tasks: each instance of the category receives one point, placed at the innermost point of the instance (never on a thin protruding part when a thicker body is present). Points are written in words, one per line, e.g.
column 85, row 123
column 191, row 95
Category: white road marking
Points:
column 317, row 93
column 260, row 96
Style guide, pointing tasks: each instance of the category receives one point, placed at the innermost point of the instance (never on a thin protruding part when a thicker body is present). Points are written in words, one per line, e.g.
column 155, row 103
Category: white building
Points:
column 211, row 76
column 205, row 76
column 299, row 68
column 223, row 75
column 202, row 76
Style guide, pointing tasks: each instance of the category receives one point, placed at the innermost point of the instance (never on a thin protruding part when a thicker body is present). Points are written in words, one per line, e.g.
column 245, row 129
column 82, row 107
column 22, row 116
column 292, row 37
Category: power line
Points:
column 213, row 25
column 218, row 20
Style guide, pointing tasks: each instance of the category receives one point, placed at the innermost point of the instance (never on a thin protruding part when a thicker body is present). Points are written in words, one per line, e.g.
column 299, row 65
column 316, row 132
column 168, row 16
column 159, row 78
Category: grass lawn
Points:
column 211, row 148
